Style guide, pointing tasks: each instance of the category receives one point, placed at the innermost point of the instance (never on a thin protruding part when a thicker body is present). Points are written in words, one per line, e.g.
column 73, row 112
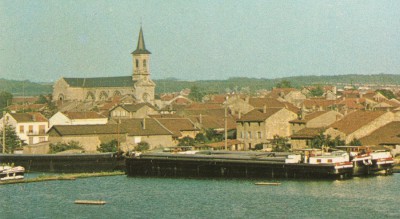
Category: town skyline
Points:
column 44, row 41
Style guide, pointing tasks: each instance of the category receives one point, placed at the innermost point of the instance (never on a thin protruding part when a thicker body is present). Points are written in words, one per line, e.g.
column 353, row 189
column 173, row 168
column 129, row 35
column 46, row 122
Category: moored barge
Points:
column 232, row 164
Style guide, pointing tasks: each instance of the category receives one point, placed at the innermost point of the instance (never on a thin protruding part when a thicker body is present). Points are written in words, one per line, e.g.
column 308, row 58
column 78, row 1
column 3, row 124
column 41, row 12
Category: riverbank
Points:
column 71, row 176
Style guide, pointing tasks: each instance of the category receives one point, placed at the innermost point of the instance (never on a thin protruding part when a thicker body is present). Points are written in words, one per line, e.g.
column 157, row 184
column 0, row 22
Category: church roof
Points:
column 122, row 81
column 141, row 48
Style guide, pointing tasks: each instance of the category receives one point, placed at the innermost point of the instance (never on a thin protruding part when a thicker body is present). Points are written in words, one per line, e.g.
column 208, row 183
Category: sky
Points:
column 44, row 40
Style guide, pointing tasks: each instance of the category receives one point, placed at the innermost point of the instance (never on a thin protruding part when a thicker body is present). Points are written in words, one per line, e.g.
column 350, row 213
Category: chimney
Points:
column 144, row 123
column 265, row 109
column 247, row 99
column 33, row 117
column 201, row 119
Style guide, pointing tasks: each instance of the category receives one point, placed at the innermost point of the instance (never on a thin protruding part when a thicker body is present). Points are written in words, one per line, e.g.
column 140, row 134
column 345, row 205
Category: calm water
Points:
column 372, row 197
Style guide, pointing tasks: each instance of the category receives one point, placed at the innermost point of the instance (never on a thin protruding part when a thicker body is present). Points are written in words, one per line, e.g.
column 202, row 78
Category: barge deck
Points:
column 229, row 164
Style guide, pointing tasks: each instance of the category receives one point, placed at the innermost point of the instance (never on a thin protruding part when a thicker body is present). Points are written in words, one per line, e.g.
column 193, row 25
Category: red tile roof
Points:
column 29, row 117
column 355, row 120
column 258, row 115
column 84, row 115
column 386, row 135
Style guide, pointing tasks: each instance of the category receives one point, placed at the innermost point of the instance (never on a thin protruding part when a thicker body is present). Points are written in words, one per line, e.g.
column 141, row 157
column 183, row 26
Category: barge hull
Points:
column 165, row 166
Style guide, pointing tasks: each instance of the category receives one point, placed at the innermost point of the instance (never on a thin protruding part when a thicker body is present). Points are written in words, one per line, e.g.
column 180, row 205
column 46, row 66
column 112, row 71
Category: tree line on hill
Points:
column 234, row 84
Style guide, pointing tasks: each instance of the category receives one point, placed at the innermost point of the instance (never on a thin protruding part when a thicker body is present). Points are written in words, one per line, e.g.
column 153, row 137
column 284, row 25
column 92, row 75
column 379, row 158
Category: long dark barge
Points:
column 65, row 163
column 229, row 165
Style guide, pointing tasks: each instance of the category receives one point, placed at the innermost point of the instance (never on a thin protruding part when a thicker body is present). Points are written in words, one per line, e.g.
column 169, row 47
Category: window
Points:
column 30, row 128
column 318, row 160
column 42, row 129
column 42, row 139
column 137, row 63
column 144, row 63
column 329, row 160
column 259, row 135
column 21, row 129
column 249, row 135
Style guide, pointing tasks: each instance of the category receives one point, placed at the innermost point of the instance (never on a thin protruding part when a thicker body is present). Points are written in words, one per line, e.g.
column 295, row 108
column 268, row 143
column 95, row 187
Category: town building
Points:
column 30, row 127
column 139, row 85
column 77, row 118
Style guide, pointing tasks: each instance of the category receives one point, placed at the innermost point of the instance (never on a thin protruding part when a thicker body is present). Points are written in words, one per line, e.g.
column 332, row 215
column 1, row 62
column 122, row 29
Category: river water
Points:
column 128, row 197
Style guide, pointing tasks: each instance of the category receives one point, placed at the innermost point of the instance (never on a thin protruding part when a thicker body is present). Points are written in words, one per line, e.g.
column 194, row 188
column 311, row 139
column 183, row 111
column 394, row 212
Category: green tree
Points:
column 186, row 141
column 111, row 146
column 284, row 84
column 12, row 139
column 317, row 92
column 142, row 146
column 280, row 144
column 42, row 100
column 387, row 93
column 5, row 99
column 200, row 138
column 61, row 146
column 213, row 135
column 196, row 94
column 355, row 142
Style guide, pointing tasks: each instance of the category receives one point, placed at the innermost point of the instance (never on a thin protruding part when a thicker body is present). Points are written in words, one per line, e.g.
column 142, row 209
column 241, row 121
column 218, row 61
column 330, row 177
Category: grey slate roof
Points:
column 122, row 81
column 141, row 48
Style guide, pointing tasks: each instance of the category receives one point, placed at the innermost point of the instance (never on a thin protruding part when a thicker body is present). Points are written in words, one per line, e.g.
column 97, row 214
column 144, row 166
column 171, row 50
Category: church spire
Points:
column 141, row 48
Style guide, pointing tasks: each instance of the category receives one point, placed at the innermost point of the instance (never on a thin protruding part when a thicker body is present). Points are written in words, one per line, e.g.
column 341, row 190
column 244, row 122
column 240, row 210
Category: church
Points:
column 139, row 85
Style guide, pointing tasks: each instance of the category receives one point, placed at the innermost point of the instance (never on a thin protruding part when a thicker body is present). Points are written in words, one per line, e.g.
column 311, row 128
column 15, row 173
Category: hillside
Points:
column 28, row 88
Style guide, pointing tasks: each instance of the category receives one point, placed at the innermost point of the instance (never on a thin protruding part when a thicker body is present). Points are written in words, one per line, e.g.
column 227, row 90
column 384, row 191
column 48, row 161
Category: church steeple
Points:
column 141, row 48
column 141, row 60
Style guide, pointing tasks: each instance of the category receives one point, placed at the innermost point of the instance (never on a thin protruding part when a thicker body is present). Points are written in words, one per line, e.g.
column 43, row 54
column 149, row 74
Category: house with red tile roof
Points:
column 387, row 136
column 129, row 133
column 359, row 124
column 130, row 111
column 30, row 127
column 180, row 127
column 260, row 126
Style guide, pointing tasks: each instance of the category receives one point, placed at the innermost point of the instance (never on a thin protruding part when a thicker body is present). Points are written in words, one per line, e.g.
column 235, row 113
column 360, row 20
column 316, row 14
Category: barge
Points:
column 233, row 165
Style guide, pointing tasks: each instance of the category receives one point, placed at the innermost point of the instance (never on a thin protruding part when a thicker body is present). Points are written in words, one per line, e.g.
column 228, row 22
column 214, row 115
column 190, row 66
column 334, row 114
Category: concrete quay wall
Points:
column 79, row 163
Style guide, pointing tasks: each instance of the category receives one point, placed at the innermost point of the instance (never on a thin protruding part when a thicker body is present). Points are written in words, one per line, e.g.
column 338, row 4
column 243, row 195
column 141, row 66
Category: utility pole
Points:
column 226, row 124
column 4, row 132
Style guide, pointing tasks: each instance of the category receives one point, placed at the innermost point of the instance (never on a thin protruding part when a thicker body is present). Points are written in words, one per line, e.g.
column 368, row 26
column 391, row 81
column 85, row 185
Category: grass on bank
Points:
column 70, row 176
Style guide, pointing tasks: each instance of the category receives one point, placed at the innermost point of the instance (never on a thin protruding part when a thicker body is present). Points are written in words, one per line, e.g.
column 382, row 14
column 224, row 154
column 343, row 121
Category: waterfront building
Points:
column 139, row 85
column 30, row 127
column 260, row 126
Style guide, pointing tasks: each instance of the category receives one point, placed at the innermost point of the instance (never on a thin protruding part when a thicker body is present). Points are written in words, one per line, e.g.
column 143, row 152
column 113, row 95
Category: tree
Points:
column 12, row 139
column 201, row 138
column 5, row 99
column 317, row 92
column 280, row 144
column 61, row 146
column 42, row 100
column 142, row 146
column 196, row 94
column 284, row 84
column 387, row 93
column 111, row 146
column 186, row 141
column 355, row 142
column 213, row 135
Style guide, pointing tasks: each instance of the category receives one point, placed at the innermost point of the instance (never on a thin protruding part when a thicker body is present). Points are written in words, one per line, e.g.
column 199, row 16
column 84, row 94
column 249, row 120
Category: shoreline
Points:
column 69, row 176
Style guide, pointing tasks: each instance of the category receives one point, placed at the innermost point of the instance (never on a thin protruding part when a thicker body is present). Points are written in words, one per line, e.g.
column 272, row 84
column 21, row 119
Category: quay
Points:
column 229, row 164
column 65, row 163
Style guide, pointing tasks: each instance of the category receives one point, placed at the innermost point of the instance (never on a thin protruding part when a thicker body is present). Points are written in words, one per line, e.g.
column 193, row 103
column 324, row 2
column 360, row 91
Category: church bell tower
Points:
column 144, row 86
column 141, row 60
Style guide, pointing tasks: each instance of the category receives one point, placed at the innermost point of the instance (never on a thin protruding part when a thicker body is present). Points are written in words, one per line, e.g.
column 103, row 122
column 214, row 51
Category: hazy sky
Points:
column 43, row 40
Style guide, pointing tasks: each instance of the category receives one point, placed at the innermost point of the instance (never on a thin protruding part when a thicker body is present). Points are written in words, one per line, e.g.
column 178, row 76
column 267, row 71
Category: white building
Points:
column 30, row 127
column 77, row 118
